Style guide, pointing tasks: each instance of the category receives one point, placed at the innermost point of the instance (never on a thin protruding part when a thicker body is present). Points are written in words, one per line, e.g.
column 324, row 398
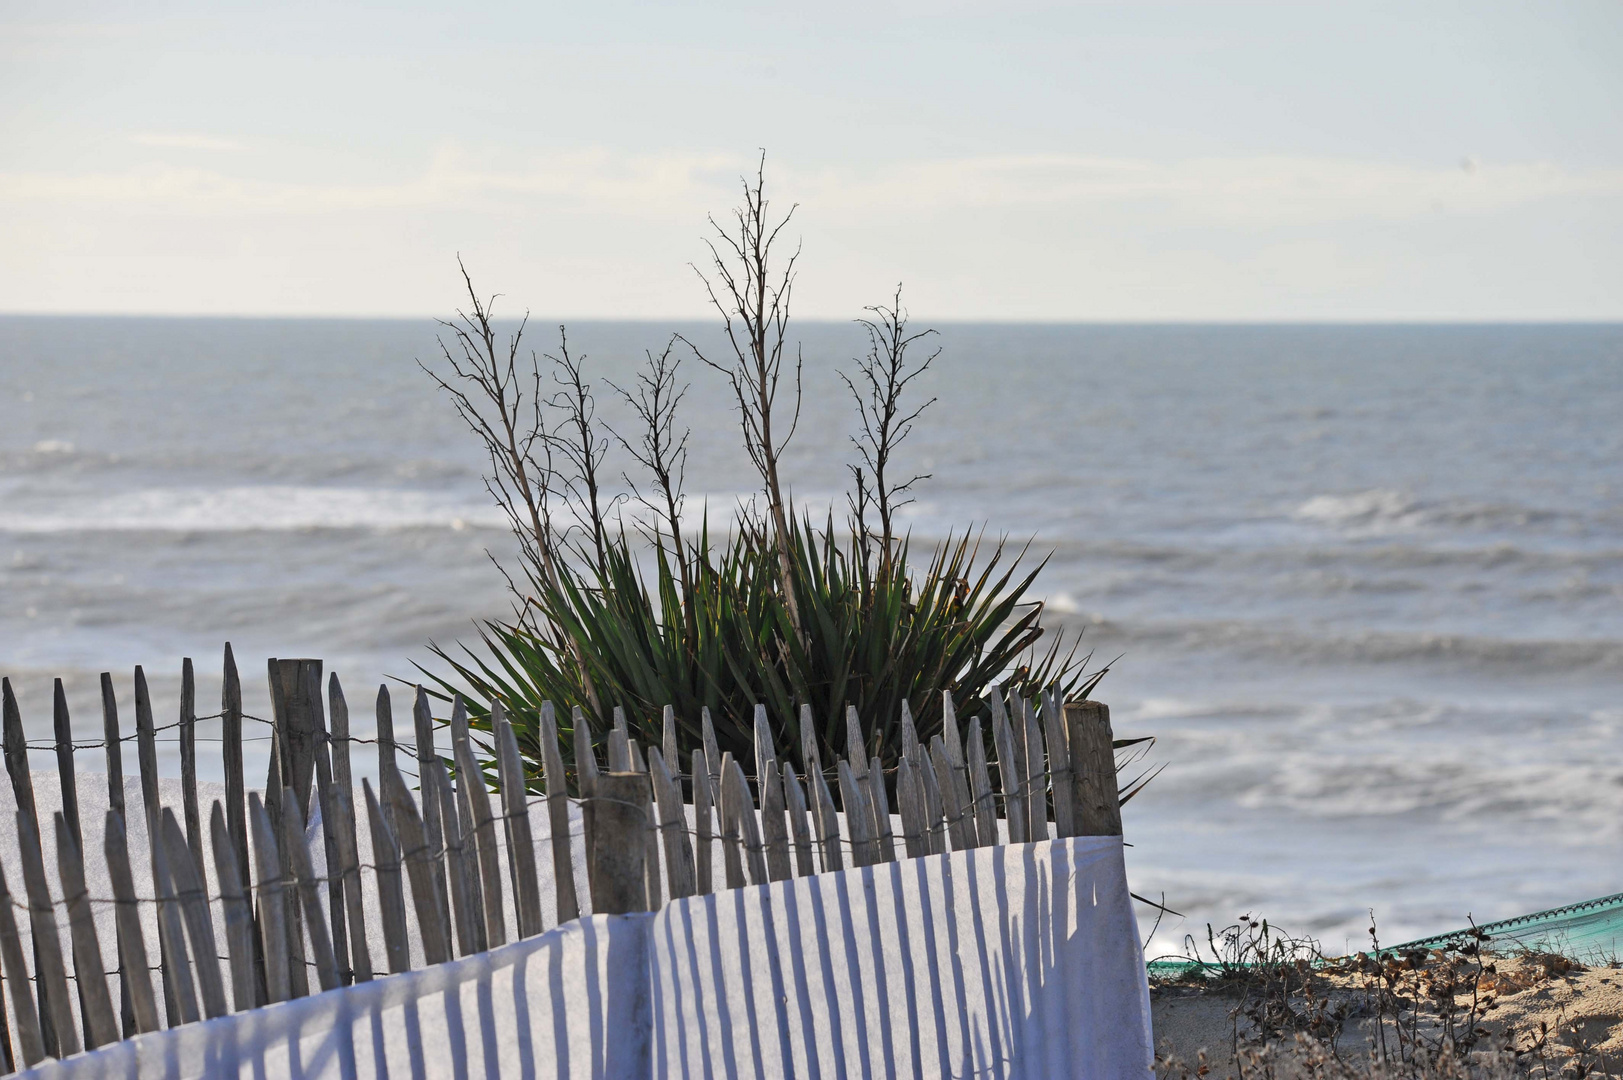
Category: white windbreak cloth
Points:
column 1017, row 961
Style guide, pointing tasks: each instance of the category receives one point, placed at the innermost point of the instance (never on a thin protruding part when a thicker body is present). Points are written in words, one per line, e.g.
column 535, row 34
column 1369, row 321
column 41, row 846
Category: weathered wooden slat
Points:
column 315, row 919
column 961, row 798
column 68, row 786
column 29, row 1036
column 910, row 736
column 669, row 750
column 194, row 909
column 349, row 868
column 858, row 815
column 885, row 848
column 433, row 825
column 731, row 822
column 96, row 1004
column 1020, row 787
column 557, row 783
column 811, row 759
column 1036, row 775
column 585, row 777
column 934, row 811
column 672, row 827
column 856, row 752
column 458, row 809
column 703, row 836
column 391, row 896
column 347, row 883
column 1008, row 771
column 436, row 788
column 618, row 810
column 749, row 829
column 172, row 933
column 64, row 764
column 650, row 843
column 132, row 948
column 188, row 764
column 980, row 786
column 15, row 741
column 774, row 831
column 433, row 922
column 146, row 749
column 113, row 745
column 799, row 827
column 520, row 839
column 828, row 822
column 298, row 980
column 471, row 785
column 712, row 751
column 619, row 743
column 957, row 806
column 239, row 921
column 1096, row 799
column 336, row 918
column 236, row 804
column 1059, row 764
column 910, row 802
column 387, row 747
column 271, row 901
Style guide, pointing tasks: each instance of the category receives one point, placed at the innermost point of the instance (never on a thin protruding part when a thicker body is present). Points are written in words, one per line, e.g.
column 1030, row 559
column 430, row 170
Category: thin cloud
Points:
column 183, row 141
column 1238, row 191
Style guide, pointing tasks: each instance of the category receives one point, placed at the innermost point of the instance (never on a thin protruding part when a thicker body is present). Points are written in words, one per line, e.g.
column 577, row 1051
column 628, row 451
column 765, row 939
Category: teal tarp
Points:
column 1589, row 931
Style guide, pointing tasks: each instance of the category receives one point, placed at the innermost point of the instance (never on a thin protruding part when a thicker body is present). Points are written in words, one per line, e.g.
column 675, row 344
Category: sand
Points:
column 1540, row 1009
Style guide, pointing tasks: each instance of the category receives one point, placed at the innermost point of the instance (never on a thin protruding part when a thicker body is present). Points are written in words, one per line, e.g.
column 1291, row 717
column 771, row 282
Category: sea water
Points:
column 1364, row 584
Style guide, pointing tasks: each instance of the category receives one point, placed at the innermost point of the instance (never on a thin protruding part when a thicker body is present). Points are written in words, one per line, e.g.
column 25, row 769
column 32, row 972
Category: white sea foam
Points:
column 1380, row 510
column 270, row 507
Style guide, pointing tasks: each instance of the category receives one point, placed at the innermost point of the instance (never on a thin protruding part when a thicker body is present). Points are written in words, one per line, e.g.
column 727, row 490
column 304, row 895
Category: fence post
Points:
column 618, row 815
column 1096, row 801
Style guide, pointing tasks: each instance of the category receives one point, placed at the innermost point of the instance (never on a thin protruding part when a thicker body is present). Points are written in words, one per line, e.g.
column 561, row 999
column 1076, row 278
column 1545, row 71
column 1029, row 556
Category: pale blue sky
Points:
column 1021, row 161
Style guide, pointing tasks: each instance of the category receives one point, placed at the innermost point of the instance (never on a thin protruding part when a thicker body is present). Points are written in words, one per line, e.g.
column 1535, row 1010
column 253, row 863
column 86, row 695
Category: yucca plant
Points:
column 964, row 623
column 776, row 611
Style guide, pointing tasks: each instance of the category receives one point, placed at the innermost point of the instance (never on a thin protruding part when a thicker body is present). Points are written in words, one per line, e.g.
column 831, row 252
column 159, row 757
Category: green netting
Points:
column 1590, row 931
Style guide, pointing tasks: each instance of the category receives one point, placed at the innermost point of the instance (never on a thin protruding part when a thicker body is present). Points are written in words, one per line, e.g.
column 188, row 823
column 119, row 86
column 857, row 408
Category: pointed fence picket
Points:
column 466, row 854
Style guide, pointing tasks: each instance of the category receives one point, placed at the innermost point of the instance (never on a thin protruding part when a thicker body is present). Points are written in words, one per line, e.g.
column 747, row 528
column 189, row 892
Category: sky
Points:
column 1020, row 161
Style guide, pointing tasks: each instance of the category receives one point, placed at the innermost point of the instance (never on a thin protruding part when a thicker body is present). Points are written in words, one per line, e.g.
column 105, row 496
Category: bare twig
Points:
column 881, row 379
column 502, row 405
column 662, row 452
column 579, row 443
column 753, row 296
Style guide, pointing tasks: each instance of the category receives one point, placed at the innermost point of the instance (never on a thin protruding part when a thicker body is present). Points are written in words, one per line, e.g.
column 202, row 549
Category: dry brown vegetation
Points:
column 1270, row 1006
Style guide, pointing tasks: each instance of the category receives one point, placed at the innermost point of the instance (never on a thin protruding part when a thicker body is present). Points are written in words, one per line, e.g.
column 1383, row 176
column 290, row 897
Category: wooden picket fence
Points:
column 651, row 833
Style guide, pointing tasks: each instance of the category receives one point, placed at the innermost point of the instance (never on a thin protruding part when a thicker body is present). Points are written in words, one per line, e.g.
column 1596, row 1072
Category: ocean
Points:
column 1364, row 584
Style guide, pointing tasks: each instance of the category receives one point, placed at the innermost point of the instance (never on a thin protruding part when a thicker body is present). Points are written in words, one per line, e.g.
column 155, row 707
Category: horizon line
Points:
column 1305, row 321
